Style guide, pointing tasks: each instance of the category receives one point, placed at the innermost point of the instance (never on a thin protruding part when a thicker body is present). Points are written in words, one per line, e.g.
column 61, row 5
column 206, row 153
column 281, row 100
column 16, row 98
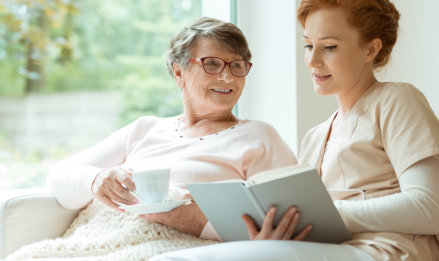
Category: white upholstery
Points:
column 30, row 215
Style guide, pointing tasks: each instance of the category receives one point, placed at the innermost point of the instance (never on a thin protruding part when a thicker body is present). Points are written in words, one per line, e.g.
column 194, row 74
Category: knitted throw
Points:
column 101, row 233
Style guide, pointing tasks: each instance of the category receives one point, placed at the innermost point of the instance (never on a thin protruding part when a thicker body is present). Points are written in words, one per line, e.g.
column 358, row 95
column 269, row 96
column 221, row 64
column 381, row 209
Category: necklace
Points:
column 181, row 133
column 178, row 129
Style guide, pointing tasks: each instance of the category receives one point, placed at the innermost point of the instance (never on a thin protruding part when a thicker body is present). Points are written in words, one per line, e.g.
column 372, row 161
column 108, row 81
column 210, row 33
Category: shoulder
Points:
column 148, row 122
column 401, row 102
column 142, row 125
column 265, row 147
column 394, row 100
column 258, row 128
column 397, row 87
column 261, row 134
column 260, row 125
column 407, row 124
column 397, row 93
column 387, row 102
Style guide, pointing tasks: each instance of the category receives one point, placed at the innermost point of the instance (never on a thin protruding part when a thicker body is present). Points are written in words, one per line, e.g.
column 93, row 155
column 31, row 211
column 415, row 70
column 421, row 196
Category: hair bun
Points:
column 371, row 18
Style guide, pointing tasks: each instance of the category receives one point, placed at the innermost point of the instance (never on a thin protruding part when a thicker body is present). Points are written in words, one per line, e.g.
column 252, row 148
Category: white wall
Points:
column 279, row 89
column 219, row 9
column 415, row 56
column 269, row 85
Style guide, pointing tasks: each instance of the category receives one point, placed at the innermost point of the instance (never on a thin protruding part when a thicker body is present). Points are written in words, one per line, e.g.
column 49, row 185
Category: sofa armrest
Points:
column 30, row 215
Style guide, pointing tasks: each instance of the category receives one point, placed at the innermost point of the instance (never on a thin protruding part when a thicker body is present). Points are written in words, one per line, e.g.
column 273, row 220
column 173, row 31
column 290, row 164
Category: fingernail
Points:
column 272, row 209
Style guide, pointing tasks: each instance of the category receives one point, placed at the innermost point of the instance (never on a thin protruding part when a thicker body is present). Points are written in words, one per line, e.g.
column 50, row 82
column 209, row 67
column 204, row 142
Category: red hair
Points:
column 371, row 18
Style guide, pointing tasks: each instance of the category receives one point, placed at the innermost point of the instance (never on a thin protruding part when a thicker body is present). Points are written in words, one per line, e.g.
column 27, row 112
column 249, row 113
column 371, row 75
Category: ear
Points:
column 178, row 75
column 373, row 49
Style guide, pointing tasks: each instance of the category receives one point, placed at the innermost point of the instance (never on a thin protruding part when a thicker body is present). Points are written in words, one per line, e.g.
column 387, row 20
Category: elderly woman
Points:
column 381, row 147
column 209, row 61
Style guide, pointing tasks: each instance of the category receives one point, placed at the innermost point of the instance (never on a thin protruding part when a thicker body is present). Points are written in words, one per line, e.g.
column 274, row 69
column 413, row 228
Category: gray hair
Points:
column 225, row 35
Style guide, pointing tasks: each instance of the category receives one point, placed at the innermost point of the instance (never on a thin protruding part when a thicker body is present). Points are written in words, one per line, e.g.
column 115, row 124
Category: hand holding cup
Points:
column 112, row 186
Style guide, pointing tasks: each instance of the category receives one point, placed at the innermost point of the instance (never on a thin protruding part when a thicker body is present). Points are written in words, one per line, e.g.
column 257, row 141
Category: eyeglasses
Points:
column 216, row 65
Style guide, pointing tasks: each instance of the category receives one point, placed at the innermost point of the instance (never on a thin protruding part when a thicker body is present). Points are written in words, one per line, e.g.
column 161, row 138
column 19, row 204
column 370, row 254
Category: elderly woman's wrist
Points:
column 95, row 184
column 197, row 223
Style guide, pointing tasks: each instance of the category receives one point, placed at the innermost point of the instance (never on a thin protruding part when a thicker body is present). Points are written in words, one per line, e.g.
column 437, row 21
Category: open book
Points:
column 224, row 202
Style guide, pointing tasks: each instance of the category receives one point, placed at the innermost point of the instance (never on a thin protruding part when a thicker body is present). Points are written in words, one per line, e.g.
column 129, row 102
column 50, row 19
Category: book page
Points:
column 277, row 173
column 308, row 194
column 223, row 203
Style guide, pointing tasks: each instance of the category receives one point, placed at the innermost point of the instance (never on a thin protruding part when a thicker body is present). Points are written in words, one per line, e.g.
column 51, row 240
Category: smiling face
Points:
column 207, row 94
column 336, row 60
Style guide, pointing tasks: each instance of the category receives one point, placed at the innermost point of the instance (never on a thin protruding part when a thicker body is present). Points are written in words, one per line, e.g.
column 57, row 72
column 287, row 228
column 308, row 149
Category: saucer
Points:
column 154, row 207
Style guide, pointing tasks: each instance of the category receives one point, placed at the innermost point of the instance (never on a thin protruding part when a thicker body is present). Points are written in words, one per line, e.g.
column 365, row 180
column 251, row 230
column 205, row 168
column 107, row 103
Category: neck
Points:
column 195, row 119
column 347, row 99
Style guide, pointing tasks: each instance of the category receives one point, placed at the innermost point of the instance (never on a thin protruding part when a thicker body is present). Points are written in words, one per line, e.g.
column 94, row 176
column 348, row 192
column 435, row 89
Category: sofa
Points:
column 30, row 215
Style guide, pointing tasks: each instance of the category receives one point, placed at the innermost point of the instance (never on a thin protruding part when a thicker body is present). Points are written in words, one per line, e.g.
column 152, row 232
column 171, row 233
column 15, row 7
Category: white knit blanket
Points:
column 100, row 233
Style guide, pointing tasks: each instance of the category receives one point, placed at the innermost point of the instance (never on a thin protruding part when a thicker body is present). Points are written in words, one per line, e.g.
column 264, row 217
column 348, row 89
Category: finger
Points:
column 250, row 225
column 116, row 197
column 304, row 233
column 292, row 226
column 120, row 175
column 284, row 223
column 129, row 183
column 121, row 193
column 150, row 217
column 124, row 177
column 267, row 226
column 108, row 202
column 167, row 217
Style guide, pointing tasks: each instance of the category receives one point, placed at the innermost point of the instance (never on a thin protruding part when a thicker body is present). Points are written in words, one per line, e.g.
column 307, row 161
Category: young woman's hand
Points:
column 111, row 186
column 284, row 231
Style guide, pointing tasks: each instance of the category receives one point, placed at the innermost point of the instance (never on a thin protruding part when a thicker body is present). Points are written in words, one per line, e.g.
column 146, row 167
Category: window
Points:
column 74, row 71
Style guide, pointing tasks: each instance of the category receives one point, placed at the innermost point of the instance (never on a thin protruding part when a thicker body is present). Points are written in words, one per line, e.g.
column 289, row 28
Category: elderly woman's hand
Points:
column 284, row 230
column 187, row 219
column 111, row 186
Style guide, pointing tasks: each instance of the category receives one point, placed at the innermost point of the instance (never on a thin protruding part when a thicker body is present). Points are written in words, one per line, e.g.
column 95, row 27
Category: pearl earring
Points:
column 179, row 84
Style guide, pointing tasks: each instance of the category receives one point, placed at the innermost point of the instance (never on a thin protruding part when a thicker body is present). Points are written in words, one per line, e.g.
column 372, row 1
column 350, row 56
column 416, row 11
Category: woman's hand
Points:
column 111, row 186
column 284, row 231
column 187, row 219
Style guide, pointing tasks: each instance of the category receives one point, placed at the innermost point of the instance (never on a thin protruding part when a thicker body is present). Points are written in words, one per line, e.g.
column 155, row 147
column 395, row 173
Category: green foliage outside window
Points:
column 70, row 45
column 53, row 46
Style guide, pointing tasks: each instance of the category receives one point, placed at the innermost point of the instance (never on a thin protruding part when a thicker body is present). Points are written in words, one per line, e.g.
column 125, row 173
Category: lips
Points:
column 222, row 90
column 320, row 77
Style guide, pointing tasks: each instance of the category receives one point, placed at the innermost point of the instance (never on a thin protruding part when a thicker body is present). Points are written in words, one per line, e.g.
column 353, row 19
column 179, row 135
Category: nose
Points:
column 226, row 75
column 313, row 58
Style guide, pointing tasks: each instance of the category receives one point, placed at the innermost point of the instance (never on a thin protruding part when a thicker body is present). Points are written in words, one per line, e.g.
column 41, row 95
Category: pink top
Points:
column 238, row 152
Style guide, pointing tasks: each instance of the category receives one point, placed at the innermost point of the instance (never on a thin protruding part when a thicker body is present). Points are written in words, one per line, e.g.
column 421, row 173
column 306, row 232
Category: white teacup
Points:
column 151, row 185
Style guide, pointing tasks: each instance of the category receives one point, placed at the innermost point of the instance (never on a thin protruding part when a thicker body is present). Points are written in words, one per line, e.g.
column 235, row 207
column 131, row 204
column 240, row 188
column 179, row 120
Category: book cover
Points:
column 225, row 202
